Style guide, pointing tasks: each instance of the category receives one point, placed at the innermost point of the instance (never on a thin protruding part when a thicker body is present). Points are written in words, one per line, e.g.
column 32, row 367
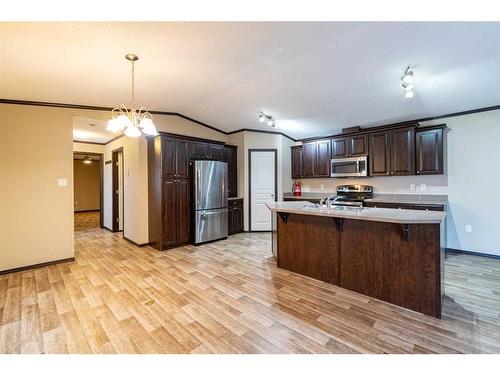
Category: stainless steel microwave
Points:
column 349, row 167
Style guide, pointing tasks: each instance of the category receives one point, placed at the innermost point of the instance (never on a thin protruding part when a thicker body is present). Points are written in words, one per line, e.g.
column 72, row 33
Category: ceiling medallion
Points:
column 134, row 122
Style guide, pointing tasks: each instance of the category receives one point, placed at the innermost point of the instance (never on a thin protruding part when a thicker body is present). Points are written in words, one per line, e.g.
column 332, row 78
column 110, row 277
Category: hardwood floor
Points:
column 228, row 297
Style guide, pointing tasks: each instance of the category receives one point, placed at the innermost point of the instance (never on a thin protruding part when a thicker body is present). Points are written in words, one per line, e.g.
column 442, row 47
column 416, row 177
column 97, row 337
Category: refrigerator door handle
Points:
column 198, row 187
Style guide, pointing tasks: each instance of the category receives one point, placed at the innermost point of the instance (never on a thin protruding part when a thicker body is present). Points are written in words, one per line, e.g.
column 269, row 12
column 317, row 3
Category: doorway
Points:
column 88, row 187
column 118, row 189
column 262, row 187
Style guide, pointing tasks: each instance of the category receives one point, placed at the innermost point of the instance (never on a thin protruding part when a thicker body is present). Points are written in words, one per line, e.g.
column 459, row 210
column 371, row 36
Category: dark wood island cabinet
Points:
column 391, row 255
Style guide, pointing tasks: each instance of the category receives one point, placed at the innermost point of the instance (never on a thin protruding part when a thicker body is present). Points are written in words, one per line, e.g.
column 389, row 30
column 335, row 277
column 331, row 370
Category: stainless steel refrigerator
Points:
column 210, row 200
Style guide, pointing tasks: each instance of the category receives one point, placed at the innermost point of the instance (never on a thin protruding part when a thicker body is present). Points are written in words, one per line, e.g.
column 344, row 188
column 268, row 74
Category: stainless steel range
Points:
column 349, row 195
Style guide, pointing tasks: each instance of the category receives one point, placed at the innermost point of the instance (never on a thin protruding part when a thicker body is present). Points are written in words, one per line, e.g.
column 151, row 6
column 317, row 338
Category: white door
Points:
column 263, row 189
column 120, row 191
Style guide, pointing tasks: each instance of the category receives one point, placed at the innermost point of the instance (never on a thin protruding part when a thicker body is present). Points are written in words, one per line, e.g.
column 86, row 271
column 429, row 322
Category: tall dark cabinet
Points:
column 169, row 192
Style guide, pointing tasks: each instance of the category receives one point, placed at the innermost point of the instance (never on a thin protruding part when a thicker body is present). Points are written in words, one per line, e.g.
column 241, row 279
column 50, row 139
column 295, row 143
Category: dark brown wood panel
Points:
column 215, row 151
column 183, row 211
column 167, row 152
column 296, row 162
column 359, row 145
column 198, row 150
column 181, row 159
column 309, row 245
column 379, row 154
column 402, row 151
column 340, row 147
column 429, row 144
column 377, row 262
column 169, row 215
column 308, row 159
column 231, row 158
column 323, row 159
column 235, row 216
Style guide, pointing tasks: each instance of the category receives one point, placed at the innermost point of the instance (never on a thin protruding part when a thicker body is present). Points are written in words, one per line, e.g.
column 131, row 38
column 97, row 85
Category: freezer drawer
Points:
column 210, row 225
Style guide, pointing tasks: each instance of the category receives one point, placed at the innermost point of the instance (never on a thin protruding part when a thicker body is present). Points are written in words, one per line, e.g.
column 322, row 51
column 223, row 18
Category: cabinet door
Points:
column 308, row 159
column 358, row 145
column 429, row 151
column 215, row 151
column 198, row 150
column 183, row 210
column 379, row 154
column 323, row 159
column 296, row 162
column 238, row 219
column 402, row 145
column 230, row 220
column 181, row 159
column 340, row 147
column 169, row 219
column 168, row 157
column 230, row 157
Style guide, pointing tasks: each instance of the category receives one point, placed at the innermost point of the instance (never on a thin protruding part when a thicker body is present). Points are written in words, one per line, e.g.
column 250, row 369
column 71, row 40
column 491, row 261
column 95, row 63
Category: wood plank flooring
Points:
column 228, row 297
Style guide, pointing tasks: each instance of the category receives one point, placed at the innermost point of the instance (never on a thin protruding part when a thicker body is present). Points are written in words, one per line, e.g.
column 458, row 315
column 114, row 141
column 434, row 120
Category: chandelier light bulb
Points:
column 132, row 131
column 148, row 127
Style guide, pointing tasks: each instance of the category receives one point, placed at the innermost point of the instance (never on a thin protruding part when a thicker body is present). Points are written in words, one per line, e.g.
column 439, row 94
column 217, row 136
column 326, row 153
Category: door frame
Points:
column 250, row 150
column 101, row 182
column 115, row 227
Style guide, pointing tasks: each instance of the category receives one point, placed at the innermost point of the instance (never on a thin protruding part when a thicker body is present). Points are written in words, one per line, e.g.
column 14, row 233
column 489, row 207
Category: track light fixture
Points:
column 268, row 118
column 406, row 82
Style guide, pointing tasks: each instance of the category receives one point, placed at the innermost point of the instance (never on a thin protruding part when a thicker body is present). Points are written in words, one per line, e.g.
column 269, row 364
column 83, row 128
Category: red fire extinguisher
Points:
column 297, row 188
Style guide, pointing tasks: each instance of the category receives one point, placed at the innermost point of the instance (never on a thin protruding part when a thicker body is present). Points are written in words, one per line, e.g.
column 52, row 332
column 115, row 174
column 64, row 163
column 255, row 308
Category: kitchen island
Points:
column 390, row 254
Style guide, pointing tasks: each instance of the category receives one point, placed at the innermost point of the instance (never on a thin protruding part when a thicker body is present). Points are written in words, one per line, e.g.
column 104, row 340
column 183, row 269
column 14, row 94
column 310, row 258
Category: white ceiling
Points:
column 90, row 130
column 314, row 78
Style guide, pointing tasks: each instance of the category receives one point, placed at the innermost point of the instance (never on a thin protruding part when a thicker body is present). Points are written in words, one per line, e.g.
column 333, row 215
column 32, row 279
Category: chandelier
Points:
column 135, row 122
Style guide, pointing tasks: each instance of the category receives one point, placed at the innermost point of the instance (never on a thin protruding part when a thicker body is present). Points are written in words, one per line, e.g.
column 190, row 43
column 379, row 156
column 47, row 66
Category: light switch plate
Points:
column 63, row 182
column 423, row 187
column 468, row 228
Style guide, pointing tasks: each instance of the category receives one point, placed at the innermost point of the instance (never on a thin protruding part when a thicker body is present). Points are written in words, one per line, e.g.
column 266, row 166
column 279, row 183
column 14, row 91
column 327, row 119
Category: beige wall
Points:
column 86, row 185
column 87, row 147
column 36, row 215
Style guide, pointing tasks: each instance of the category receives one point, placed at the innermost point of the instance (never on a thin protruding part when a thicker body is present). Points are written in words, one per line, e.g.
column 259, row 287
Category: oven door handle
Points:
column 357, row 166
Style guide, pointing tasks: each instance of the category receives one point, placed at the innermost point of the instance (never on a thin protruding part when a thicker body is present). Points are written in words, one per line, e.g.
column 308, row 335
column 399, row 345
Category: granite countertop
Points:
column 410, row 199
column 381, row 198
column 387, row 215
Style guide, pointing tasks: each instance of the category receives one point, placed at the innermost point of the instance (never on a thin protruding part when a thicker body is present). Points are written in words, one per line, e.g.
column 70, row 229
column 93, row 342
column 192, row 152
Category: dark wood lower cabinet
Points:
column 310, row 245
column 235, row 216
column 406, row 206
column 376, row 262
column 373, row 258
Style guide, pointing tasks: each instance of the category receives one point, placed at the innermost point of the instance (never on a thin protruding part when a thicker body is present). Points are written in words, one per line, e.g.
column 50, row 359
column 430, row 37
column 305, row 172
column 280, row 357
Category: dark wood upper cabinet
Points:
column 349, row 146
column 167, row 151
column 308, row 159
column 403, row 151
column 215, row 151
column 231, row 158
column 379, row 159
column 198, row 150
column 340, row 147
column 392, row 152
column 181, row 158
column 316, row 158
column 296, row 162
column 359, row 145
column 429, row 152
column 323, row 159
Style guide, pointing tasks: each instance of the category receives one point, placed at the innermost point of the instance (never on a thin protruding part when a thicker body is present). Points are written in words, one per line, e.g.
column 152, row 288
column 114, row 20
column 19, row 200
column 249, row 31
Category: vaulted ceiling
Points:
column 313, row 78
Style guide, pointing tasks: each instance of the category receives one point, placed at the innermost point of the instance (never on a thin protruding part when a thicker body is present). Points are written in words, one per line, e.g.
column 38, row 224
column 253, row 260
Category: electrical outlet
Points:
column 468, row 228
column 423, row 187
column 412, row 187
column 62, row 182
